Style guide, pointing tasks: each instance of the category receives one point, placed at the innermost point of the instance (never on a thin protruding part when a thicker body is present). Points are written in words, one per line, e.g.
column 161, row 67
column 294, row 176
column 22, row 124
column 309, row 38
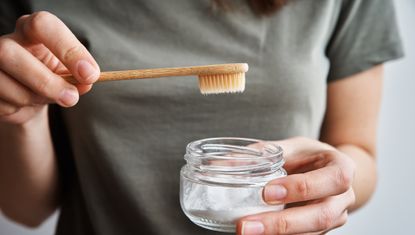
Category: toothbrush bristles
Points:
column 222, row 83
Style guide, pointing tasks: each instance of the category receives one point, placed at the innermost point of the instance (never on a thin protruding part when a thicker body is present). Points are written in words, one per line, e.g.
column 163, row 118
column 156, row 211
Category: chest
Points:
column 286, row 54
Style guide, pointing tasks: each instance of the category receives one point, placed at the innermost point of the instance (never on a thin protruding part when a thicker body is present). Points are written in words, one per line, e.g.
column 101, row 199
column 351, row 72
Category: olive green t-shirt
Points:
column 127, row 139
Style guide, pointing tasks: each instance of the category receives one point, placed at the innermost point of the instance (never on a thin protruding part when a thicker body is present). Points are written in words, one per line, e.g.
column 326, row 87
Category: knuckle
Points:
column 326, row 218
column 19, row 102
column 72, row 53
column 39, row 20
column 351, row 166
column 21, row 20
column 36, row 100
column 343, row 179
column 43, row 86
column 303, row 187
column 7, row 110
column 6, row 48
column 352, row 196
column 280, row 225
column 343, row 219
column 25, row 100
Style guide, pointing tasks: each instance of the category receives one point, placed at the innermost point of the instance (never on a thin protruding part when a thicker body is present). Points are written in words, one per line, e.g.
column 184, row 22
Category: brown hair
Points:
column 266, row 7
column 260, row 7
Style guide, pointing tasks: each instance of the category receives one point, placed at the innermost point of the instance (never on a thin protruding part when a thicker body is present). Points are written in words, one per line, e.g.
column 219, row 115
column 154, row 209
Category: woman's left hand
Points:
column 317, row 191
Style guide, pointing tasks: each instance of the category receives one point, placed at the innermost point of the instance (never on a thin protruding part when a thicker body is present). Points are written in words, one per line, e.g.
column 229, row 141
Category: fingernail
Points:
column 88, row 72
column 274, row 193
column 69, row 97
column 252, row 228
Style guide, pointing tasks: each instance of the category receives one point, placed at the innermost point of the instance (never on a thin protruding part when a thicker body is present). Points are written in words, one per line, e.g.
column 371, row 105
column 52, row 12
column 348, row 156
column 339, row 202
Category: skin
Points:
column 30, row 60
column 330, row 177
column 327, row 178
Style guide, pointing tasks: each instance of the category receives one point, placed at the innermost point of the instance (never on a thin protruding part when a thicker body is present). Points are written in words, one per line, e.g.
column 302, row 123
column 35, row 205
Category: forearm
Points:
column 364, row 183
column 28, row 171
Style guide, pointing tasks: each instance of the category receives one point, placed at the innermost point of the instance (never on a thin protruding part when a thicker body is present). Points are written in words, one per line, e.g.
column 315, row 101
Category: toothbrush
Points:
column 213, row 79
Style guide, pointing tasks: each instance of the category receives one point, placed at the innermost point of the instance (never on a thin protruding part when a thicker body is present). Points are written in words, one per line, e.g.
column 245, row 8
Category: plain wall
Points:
column 391, row 210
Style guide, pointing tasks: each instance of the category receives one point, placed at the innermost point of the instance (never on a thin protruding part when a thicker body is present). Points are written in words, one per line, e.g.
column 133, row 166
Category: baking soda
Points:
column 223, row 206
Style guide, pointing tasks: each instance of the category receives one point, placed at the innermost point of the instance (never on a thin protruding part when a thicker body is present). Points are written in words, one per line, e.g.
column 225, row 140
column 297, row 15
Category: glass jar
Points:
column 224, row 178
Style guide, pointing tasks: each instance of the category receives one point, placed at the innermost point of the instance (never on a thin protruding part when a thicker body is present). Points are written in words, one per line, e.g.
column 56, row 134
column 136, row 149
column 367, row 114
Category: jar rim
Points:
column 244, row 154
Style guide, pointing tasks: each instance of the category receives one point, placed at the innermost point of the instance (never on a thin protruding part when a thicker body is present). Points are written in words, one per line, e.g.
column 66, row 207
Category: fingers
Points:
column 322, row 184
column 16, row 94
column 7, row 109
column 326, row 215
column 327, row 181
column 303, row 154
column 82, row 89
column 316, row 170
column 43, row 54
column 52, row 62
column 45, row 28
column 33, row 74
column 298, row 146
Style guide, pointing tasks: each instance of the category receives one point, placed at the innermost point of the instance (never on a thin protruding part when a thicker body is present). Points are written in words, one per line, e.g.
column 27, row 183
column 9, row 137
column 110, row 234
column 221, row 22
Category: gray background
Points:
column 391, row 210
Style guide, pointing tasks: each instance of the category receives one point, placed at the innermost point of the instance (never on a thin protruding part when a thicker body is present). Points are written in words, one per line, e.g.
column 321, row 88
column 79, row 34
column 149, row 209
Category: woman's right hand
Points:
column 31, row 59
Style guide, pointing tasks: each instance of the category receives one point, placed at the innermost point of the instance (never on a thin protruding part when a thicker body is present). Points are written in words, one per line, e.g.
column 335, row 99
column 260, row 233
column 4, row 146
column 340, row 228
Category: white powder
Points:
column 223, row 205
column 231, row 216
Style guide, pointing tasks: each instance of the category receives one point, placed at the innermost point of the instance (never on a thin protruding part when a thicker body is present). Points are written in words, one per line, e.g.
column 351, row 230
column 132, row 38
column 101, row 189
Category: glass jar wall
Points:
column 223, row 180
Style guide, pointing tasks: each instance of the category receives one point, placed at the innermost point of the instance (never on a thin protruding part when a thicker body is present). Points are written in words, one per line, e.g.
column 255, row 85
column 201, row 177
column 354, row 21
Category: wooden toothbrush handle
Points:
column 166, row 72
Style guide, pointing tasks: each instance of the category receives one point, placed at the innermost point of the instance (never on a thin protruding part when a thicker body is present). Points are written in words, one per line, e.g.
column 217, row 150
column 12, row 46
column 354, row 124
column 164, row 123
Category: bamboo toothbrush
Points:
column 213, row 79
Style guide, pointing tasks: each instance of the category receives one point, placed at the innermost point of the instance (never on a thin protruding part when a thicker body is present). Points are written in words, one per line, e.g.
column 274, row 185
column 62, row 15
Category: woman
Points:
column 315, row 71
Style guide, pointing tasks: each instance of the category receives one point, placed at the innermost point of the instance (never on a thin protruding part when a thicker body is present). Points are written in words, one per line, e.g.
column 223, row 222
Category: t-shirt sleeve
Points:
column 366, row 34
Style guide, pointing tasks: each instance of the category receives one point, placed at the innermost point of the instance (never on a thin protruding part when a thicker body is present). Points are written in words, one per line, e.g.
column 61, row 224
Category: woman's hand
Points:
column 317, row 191
column 31, row 59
